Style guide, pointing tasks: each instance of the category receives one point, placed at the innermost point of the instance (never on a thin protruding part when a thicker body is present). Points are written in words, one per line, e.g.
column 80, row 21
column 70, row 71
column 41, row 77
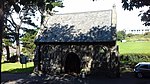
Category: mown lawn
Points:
column 17, row 67
column 134, row 47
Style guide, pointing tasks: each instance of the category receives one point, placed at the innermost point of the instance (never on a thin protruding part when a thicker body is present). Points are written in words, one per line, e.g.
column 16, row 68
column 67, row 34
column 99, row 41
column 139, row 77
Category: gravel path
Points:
column 26, row 78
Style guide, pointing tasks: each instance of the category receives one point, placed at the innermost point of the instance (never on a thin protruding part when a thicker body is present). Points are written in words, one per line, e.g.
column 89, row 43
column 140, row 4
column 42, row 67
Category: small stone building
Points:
column 78, row 42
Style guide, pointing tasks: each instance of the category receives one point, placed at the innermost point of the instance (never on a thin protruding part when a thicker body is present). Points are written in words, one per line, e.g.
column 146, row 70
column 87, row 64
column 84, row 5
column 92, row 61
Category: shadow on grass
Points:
column 6, row 62
column 18, row 74
column 20, row 70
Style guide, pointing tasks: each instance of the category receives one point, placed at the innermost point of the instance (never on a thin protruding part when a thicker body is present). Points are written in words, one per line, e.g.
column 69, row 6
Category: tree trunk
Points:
column 1, row 30
column 8, row 52
column 17, row 42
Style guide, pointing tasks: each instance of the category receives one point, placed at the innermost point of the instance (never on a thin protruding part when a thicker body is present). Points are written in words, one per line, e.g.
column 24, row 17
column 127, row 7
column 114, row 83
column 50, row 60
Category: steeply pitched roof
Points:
column 92, row 26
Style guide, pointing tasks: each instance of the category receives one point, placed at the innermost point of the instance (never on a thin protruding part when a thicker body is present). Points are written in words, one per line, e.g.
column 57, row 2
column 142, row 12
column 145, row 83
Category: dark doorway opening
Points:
column 72, row 63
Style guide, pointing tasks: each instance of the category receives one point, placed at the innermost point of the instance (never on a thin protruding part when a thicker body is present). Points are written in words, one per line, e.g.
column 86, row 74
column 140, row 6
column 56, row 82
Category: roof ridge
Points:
column 83, row 12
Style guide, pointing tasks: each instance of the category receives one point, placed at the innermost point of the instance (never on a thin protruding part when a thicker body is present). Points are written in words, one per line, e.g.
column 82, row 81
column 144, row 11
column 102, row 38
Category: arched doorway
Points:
column 72, row 63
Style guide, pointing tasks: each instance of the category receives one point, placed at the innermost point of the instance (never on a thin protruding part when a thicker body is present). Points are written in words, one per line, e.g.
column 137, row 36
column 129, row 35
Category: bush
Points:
column 128, row 61
column 135, row 57
column 13, row 59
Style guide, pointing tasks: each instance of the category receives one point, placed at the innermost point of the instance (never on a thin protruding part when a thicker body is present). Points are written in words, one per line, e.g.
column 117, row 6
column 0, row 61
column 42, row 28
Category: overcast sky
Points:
column 125, row 19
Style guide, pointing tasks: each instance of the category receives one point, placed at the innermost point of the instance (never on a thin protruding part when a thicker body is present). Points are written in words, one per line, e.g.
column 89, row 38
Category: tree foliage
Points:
column 147, row 35
column 129, row 35
column 28, row 42
column 25, row 9
column 145, row 15
column 121, row 35
column 8, row 40
column 8, row 6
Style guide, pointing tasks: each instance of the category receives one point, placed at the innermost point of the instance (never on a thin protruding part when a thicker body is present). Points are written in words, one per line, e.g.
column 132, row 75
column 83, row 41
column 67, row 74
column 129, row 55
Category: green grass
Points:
column 17, row 67
column 134, row 47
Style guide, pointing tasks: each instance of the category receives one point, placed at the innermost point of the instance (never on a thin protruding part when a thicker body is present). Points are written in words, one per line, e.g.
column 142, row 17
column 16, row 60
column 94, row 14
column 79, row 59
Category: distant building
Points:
column 137, row 31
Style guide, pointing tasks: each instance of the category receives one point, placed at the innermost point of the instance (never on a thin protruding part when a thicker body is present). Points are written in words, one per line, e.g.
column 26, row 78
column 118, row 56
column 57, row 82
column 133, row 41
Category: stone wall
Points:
column 92, row 57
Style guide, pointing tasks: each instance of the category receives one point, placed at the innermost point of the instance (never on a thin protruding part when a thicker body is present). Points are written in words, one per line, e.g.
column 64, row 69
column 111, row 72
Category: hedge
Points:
column 135, row 57
column 130, row 60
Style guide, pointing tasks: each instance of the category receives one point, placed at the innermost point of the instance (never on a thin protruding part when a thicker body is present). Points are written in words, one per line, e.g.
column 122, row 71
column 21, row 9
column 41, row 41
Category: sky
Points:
column 125, row 19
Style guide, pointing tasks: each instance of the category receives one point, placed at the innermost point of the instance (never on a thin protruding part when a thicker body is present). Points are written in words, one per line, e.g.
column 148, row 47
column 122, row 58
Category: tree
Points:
column 28, row 42
column 6, row 5
column 8, row 35
column 121, row 35
column 145, row 15
column 129, row 35
column 1, row 28
column 147, row 35
column 7, row 42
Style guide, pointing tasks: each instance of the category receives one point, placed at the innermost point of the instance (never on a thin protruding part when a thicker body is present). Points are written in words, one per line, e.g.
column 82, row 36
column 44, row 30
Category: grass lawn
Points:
column 134, row 47
column 17, row 67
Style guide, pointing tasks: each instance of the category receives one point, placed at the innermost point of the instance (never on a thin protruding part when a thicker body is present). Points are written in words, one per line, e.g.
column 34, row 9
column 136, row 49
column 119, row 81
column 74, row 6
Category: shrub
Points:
column 13, row 59
column 135, row 57
column 128, row 61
